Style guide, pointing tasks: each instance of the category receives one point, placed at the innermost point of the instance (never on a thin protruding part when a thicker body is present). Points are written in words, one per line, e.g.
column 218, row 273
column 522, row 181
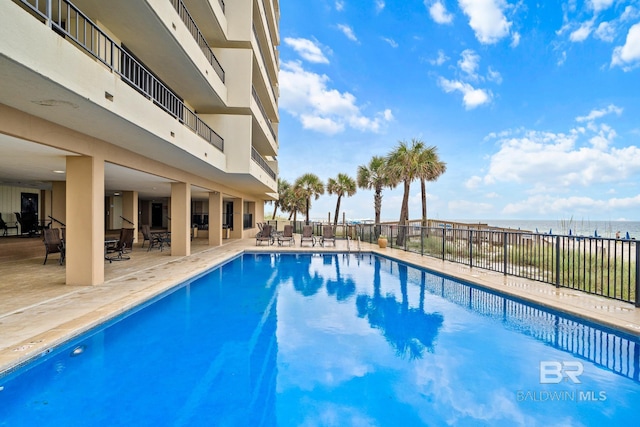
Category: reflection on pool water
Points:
column 331, row 340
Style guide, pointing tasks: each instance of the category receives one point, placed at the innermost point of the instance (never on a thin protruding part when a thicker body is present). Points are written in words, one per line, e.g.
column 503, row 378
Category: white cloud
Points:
column 605, row 32
column 563, row 58
column 582, row 32
column 348, row 31
column 515, row 39
column 557, row 161
column 339, row 5
column 596, row 114
column 438, row 12
column 553, row 205
column 307, row 96
column 630, row 13
column 471, row 97
column 307, row 49
column 379, row 5
column 487, row 19
column 473, row 182
column 391, row 42
column 441, row 59
column 494, row 76
column 599, row 5
column 627, row 56
column 321, row 124
column 469, row 63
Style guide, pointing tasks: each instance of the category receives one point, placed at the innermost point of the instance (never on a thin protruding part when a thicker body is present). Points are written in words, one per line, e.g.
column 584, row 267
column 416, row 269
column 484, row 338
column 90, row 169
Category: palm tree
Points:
column 283, row 188
column 403, row 166
column 430, row 169
column 308, row 186
column 297, row 204
column 374, row 177
column 343, row 185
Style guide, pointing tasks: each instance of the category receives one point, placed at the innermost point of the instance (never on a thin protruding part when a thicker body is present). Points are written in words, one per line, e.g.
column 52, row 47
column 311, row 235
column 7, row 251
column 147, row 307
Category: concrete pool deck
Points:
column 38, row 311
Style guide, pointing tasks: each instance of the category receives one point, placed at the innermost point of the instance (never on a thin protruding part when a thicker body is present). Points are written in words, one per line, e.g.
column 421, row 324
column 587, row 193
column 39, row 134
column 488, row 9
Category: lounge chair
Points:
column 124, row 242
column 264, row 235
column 307, row 235
column 287, row 236
column 53, row 244
column 327, row 235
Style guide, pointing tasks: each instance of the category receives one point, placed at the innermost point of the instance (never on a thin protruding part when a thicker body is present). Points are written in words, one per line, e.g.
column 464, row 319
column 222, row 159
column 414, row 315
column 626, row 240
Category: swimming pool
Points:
column 331, row 339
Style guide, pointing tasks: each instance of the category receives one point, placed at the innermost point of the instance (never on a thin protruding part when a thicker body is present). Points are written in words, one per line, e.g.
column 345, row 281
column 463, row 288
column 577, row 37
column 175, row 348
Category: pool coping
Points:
column 133, row 290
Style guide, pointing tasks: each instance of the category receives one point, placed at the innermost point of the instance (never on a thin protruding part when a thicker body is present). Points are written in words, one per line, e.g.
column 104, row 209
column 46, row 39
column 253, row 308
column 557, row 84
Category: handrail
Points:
column 88, row 36
column 262, row 162
column 186, row 17
column 255, row 34
column 55, row 220
column 264, row 112
column 126, row 220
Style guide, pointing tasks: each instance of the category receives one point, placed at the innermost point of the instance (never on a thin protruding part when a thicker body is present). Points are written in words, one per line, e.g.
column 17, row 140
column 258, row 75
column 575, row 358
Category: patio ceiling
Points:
column 31, row 165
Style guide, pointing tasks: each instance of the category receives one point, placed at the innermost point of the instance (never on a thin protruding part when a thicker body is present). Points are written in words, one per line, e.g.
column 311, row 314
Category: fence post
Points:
column 505, row 250
column 470, row 248
column 444, row 238
column 637, row 274
column 422, row 229
column 557, row 261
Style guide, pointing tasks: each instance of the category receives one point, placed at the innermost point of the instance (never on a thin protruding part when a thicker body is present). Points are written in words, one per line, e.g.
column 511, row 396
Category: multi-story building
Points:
column 121, row 113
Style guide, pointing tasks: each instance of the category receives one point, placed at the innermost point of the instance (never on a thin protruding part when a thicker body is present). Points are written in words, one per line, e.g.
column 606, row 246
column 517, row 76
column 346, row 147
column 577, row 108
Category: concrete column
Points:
column 130, row 212
column 215, row 218
column 180, row 219
column 238, row 212
column 59, row 201
column 85, row 220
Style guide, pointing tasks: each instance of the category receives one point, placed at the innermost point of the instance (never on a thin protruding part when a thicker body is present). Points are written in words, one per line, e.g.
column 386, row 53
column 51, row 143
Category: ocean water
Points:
column 581, row 227
column 577, row 227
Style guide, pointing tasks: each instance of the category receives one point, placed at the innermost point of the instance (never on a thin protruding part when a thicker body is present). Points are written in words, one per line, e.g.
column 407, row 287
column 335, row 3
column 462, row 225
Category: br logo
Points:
column 552, row 372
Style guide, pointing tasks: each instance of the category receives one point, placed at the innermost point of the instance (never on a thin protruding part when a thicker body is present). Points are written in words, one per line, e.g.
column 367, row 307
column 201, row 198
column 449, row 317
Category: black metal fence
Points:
column 596, row 265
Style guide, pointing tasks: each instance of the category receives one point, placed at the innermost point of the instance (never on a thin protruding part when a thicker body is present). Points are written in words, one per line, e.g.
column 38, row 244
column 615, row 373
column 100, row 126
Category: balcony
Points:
column 182, row 10
column 266, row 118
column 262, row 163
column 270, row 80
column 68, row 21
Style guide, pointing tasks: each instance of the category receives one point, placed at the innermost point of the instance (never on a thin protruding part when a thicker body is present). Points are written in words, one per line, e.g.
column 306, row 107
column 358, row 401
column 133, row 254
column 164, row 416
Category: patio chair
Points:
column 148, row 236
column 307, row 235
column 327, row 235
column 53, row 244
column 28, row 223
column 287, row 236
column 124, row 242
column 5, row 227
column 264, row 235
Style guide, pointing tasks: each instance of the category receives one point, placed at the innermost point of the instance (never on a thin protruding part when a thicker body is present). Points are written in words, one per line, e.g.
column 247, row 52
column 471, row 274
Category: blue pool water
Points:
column 331, row 340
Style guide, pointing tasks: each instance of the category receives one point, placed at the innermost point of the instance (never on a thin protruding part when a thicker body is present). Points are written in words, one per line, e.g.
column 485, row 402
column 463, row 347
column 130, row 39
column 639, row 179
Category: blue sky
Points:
column 534, row 106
